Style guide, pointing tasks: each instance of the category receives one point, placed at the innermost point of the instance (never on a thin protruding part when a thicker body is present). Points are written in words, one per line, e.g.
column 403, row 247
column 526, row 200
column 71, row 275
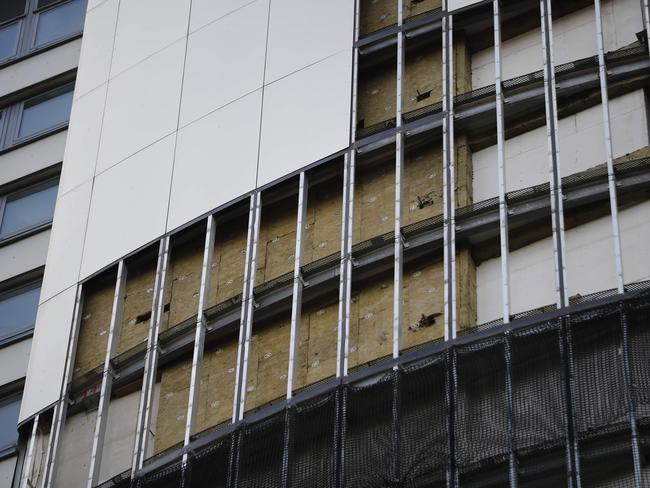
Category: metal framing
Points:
column 646, row 21
column 151, row 358
column 448, row 158
column 611, row 175
column 28, row 465
column 501, row 167
column 60, row 410
column 107, row 376
column 550, row 100
column 199, row 335
column 246, row 323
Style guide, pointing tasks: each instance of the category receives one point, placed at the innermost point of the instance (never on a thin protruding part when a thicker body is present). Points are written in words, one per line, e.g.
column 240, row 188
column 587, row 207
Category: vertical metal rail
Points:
column 550, row 101
column 448, row 150
column 646, row 21
column 28, row 465
column 631, row 399
column 151, row 359
column 501, row 167
column 199, row 336
column 246, row 323
column 61, row 409
column 572, row 453
column 107, row 376
column 609, row 153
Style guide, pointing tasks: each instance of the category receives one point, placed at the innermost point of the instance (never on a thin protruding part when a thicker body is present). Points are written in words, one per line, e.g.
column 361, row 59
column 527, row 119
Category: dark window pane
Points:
column 59, row 22
column 45, row 114
column 9, row 410
column 10, row 9
column 8, row 40
column 45, row 3
column 28, row 210
column 18, row 311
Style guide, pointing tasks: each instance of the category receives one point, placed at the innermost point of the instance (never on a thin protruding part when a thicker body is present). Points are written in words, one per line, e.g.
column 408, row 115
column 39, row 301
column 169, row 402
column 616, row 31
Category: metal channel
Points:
column 609, row 153
column 448, row 149
column 550, row 101
column 61, row 409
column 199, row 335
column 501, row 167
column 246, row 323
column 153, row 351
column 296, row 299
column 646, row 21
column 28, row 466
column 107, row 376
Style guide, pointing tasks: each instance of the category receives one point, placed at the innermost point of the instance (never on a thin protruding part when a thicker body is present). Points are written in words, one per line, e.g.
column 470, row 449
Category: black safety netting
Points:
column 541, row 404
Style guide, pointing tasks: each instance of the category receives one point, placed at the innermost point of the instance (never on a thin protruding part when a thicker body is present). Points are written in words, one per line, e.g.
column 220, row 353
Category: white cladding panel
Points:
column 220, row 147
column 206, row 11
column 47, row 357
column 7, row 467
column 218, row 70
column 76, row 446
column 456, row 4
column 303, row 32
column 128, row 206
column 306, row 117
column 142, row 105
column 14, row 360
column 23, row 255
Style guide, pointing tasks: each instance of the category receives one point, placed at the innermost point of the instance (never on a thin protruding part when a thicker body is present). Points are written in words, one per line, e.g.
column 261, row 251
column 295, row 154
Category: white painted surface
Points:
column 590, row 264
column 7, row 467
column 33, row 157
column 66, row 244
column 306, row 117
column 206, row 11
column 23, row 255
column 145, row 27
column 220, row 147
column 303, row 32
column 218, row 70
column 83, row 140
column 142, row 106
column 581, row 146
column 39, row 67
column 574, row 37
column 74, row 454
column 47, row 358
column 97, row 49
column 128, row 206
column 456, row 4
column 14, row 360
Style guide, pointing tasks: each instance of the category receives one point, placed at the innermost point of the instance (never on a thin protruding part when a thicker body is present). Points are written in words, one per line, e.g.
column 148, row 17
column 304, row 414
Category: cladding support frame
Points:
column 107, row 376
column 28, row 465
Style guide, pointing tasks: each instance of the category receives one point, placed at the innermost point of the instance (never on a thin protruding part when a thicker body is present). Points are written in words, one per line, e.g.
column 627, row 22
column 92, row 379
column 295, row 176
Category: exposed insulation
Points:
column 377, row 14
column 465, row 289
column 416, row 7
column 374, row 200
column 172, row 409
column 463, row 164
column 422, row 76
column 276, row 245
column 138, row 300
column 377, row 94
column 422, row 184
column 95, row 323
column 323, row 222
column 184, row 279
column 228, row 261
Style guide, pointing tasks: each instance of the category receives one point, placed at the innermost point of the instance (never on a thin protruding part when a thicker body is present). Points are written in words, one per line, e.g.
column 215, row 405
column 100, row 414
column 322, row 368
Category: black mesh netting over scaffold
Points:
column 539, row 404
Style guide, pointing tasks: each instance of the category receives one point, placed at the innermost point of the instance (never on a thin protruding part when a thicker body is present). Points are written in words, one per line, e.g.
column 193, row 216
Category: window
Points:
column 27, row 209
column 45, row 112
column 8, row 40
column 18, row 310
column 9, row 411
column 59, row 22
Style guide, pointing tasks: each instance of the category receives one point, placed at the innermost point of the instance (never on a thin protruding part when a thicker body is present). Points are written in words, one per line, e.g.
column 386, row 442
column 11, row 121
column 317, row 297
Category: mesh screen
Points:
column 260, row 453
column 210, row 466
column 170, row 477
column 639, row 340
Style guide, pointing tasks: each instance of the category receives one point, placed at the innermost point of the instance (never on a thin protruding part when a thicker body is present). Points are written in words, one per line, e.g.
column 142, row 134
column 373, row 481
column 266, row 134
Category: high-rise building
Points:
column 371, row 243
column 39, row 51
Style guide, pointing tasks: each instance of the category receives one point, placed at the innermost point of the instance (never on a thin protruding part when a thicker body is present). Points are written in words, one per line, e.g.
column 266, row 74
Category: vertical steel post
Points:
column 28, row 465
column 61, row 410
column 645, row 15
column 246, row 323
column 555, row 177
column 609, row 153
column 448, row 150
column 501, row 167
column 107, row 376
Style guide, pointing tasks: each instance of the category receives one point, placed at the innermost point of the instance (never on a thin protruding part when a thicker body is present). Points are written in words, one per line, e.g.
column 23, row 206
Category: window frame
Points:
column 18, row 193
column 11, row 292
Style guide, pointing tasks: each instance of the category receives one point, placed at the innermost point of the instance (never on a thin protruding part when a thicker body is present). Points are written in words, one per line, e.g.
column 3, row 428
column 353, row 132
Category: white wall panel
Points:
column 302, row 32
column 142, row 105
column 14, row 360
column 635, row 236
column 206, row 11
column 306, row 116
column 74, row 454
column 581, row 146
column 83, row 139
column 97, row 49
column 120, row 436
column 23, row 255
column 7, row 467
column 144, row 27
column 129, row 206
column 456, row 4
column 66, row 243
column 32, row 157
column 216, row 159
column 47, row 358
column 225, row 60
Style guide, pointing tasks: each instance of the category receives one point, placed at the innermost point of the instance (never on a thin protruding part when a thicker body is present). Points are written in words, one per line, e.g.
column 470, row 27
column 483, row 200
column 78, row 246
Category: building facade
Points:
column 39, row 51
column 371, row 243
